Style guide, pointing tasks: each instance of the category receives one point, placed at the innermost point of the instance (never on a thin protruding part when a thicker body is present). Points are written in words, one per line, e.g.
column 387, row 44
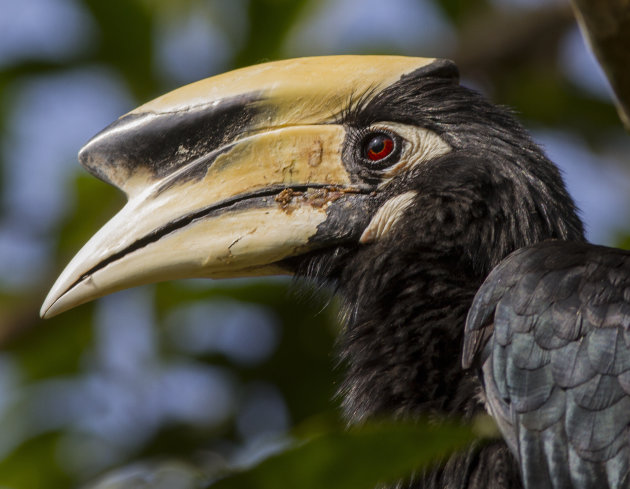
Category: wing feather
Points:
column 549, row 333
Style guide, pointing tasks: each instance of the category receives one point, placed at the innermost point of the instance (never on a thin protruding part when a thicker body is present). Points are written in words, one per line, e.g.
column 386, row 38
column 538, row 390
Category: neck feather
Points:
column 405, row 315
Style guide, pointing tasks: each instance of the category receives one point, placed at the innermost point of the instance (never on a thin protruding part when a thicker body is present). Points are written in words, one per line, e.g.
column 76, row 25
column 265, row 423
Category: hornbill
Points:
column 458, row 255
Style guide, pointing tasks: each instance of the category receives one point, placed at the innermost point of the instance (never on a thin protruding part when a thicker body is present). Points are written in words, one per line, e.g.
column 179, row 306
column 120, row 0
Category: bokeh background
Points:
column 196, row 374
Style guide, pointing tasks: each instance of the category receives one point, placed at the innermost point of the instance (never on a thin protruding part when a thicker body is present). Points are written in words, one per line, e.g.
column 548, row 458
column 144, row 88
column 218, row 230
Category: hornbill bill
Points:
column 458, row 254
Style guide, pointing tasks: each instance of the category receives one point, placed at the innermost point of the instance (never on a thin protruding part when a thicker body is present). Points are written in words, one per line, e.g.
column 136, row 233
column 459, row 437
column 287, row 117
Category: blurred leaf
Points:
column 56, row 348
column 459, row 10
column 623, row 241
column 168, row 474
column 545, row 98
column 126, row 42
column 270, row 22
column 357, row 459
column 34, row 465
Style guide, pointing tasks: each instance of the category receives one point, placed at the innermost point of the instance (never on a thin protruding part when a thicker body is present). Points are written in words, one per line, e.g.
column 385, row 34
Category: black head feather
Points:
column 406, row 296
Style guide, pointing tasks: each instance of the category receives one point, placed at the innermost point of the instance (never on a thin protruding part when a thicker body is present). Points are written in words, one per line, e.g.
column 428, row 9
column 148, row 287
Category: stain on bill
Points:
column 289, row 199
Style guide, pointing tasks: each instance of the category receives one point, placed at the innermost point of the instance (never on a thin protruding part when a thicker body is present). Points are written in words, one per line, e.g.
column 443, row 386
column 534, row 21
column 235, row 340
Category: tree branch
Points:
column 606, row 26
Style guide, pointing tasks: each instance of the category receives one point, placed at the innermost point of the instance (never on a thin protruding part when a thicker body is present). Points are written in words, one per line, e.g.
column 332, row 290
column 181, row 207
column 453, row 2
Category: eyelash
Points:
column 355, row 106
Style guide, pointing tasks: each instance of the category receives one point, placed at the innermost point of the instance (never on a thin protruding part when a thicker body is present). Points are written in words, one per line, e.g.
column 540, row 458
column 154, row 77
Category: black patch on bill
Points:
column 164, row 142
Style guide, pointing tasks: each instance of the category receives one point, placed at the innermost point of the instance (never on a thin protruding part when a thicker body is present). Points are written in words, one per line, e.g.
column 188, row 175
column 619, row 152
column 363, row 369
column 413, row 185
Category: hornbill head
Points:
column 257, row 170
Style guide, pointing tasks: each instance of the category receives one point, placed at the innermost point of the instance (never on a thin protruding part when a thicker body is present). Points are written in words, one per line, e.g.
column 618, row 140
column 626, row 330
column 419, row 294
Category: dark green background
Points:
column 511, row 52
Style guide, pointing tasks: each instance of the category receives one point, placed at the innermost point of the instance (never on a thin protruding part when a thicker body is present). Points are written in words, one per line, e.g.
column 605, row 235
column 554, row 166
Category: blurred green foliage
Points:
column 270, row 22
column 126, row 41
column 17, row 469
column 360, row 458
column 302, row 366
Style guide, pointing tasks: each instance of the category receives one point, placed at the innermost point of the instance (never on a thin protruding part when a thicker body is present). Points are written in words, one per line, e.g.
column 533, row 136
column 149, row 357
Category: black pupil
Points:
column 377, row 144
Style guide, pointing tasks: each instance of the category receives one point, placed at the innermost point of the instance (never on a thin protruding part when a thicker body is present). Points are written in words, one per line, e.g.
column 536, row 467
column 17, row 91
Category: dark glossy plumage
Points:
column 550, row 329
column 406, row 297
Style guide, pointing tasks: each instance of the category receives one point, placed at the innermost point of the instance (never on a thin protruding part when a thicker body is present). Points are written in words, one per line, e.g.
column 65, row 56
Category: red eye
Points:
column 379, row 147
